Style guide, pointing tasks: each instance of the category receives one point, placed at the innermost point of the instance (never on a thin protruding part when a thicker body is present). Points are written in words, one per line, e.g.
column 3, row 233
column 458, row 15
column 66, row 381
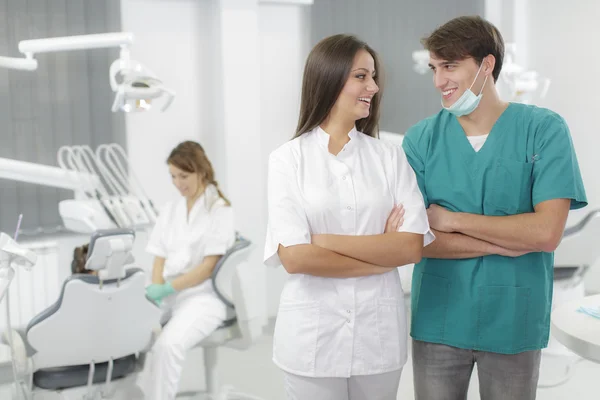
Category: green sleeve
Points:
column 556, row 172
column 416, row 159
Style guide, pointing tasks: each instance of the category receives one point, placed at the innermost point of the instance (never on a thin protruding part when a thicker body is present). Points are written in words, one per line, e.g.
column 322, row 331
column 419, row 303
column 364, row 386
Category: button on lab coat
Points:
column 339, row 327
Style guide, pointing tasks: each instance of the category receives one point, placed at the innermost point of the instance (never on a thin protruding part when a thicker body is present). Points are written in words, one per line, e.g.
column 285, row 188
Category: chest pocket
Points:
column 511, row 184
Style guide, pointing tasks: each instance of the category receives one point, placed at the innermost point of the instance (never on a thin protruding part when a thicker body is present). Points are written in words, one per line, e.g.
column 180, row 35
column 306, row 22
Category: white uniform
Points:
column 339, row 327
column 195, row 312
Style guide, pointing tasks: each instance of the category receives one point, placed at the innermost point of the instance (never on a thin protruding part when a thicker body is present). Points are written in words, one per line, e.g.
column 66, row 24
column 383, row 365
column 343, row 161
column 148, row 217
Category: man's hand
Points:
column 440, row 219
column 395, row 219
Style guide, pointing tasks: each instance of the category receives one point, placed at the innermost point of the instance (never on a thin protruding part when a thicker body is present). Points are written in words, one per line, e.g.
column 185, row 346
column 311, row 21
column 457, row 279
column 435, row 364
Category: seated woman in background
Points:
column 191, row 234
column 188, row 239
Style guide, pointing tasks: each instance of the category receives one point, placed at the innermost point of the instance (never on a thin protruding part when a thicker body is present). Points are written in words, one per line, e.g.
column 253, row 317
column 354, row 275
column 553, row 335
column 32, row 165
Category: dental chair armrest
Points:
column 578, row 227
column 225, row 269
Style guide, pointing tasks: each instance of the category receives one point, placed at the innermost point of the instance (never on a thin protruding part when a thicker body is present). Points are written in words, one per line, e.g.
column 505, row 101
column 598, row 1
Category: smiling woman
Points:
column 344, row 212
column 331, row 86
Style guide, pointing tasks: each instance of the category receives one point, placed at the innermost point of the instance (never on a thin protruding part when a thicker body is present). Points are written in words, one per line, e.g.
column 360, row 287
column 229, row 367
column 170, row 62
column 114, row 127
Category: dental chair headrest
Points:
column 110, row 252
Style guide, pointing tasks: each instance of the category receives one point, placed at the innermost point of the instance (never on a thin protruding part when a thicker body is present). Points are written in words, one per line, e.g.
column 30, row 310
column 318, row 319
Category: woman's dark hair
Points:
column 79, row 259
column 326, row 71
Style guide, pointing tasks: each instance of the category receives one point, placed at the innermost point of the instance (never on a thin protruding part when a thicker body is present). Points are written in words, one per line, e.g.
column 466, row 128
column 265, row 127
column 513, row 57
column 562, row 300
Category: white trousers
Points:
column 194, row 315
column 360, row 387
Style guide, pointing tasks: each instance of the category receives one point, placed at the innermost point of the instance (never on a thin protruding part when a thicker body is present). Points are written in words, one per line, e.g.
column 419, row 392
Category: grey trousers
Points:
column 443, row 373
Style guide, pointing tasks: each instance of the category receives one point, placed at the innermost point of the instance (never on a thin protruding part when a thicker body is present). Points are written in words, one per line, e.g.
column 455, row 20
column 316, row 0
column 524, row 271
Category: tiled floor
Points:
column 252, row 371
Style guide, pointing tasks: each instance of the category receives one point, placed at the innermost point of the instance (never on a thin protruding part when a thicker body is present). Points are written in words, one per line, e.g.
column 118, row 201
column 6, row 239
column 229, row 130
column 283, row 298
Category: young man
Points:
column 498, row 180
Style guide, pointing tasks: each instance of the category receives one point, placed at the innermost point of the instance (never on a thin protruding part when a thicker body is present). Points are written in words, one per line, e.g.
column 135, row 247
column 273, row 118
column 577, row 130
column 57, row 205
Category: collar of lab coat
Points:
column 323, row 137
column 206, row 199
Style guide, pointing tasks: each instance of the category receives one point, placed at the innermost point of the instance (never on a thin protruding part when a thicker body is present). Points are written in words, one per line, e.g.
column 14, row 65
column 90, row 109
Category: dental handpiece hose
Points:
column 9, row 275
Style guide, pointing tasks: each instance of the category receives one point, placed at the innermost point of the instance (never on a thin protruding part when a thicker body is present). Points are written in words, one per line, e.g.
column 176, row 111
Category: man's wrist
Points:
column 497, row 250
column 457, row 222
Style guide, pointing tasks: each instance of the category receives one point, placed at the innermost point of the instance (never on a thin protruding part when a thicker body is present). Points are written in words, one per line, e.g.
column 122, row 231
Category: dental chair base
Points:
column 122, row 389
column 68, row 383
column 236, row 282
column 213, row 391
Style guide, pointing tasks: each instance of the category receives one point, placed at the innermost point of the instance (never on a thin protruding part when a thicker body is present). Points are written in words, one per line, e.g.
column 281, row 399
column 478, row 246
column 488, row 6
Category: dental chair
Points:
column 90, row 343
column 234, row 281
column 577, row 252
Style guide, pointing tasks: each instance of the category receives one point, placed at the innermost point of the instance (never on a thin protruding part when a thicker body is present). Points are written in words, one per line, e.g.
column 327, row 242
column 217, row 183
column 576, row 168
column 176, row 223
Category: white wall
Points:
column 169, row 41
column 236, row 67
column 562, row 46
column 284, row 45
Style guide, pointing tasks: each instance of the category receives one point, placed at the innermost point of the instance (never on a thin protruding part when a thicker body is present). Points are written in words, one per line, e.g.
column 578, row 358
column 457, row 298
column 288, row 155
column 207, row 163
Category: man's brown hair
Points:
column 467, row 37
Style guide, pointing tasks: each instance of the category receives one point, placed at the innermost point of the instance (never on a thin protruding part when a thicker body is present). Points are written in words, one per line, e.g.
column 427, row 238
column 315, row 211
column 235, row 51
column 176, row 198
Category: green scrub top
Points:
column 492, row 303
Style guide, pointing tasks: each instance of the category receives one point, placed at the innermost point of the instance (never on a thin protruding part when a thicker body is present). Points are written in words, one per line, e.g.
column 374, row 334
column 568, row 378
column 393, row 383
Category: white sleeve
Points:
column 156, row 244
column 287, row 223
column 409, row 195
column 222, row 232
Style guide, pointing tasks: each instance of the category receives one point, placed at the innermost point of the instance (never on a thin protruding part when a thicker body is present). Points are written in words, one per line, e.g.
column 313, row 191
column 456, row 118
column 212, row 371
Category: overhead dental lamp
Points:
column 136, row 87
column 421, row 60
column 522, row 84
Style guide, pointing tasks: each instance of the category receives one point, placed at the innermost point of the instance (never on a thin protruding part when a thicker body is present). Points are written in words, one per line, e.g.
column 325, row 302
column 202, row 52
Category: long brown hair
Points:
column 190, row 157
column 326, row 71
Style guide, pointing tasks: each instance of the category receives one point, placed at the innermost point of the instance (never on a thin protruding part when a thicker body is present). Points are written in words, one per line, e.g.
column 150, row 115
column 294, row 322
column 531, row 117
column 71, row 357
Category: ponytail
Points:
column 221, row 195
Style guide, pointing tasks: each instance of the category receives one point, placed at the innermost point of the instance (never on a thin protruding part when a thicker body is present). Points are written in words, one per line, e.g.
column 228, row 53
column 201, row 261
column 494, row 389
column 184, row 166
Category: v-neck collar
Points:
column 460, row 137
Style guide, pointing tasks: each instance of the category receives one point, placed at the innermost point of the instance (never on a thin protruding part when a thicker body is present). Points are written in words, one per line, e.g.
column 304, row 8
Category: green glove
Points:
column 157, row 292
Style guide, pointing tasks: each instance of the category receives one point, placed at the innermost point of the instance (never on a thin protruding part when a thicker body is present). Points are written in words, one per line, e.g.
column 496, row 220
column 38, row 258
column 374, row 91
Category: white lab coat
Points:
column 195, row 312
column 184, row 241
column 339, row 327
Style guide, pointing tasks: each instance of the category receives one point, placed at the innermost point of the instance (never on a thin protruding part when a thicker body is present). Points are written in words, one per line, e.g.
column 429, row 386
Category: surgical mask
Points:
column 468, row 102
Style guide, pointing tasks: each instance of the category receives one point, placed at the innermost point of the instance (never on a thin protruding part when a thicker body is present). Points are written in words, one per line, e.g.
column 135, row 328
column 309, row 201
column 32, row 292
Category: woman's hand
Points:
column 395, row 219
column 157, row 292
